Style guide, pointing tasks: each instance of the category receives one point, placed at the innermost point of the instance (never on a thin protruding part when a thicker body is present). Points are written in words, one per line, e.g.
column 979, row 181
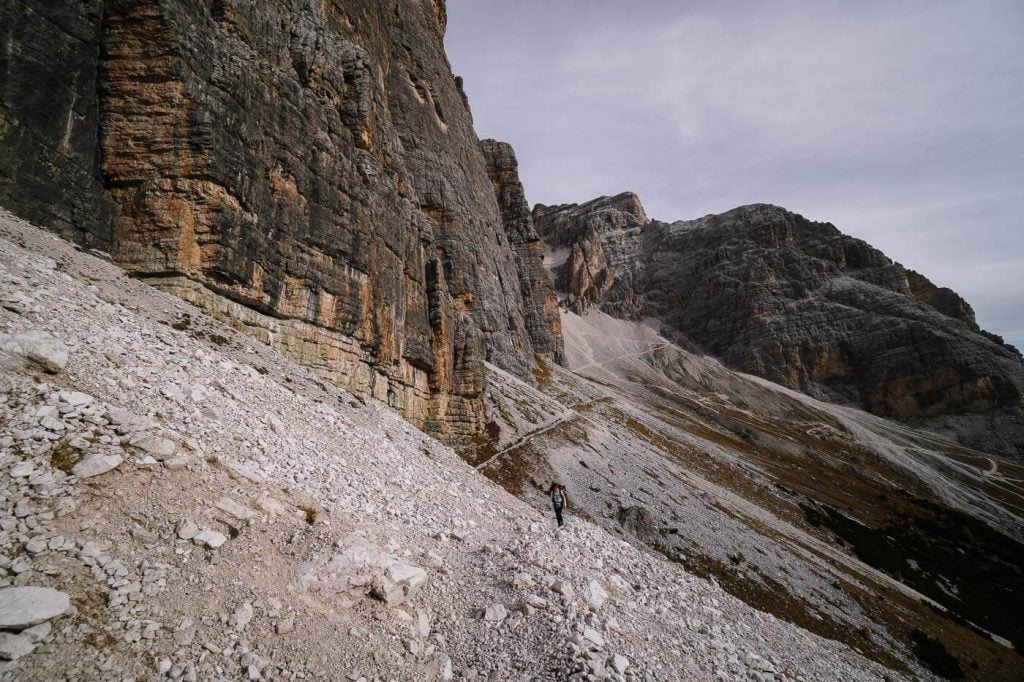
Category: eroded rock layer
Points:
column 543, row 320
column 797, row 302
column 310, row 165
column 595, row 247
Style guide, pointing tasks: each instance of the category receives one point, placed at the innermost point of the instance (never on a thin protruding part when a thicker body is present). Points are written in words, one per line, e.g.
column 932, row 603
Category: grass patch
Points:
column 542, row 372
column 929, row 542
column 64, row 457
column 933, row 655
column 484, row 445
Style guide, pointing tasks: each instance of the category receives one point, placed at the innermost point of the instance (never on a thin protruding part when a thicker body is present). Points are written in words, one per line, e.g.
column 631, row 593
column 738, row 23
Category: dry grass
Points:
column 64, row 457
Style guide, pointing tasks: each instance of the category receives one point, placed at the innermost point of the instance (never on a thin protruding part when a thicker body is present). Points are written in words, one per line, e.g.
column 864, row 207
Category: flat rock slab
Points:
column 13, row 647
column 159, row 447
column 96, row 465
column 39, row 348
column 235, row 509
column 23, row 607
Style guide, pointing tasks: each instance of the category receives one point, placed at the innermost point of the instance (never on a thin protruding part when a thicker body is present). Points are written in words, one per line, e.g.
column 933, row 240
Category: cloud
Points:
column 900, row 122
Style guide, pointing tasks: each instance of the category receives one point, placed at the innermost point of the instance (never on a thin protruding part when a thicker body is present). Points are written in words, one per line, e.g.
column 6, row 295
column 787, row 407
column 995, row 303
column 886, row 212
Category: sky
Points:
column 900, row 122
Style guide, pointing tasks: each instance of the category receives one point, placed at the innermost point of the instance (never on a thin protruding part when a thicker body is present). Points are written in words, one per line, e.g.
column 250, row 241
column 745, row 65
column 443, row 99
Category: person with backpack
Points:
column 558, row 500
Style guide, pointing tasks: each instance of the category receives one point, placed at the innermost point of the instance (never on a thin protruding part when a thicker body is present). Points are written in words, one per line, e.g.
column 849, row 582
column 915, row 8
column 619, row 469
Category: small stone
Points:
column 593, row 636
column 619, row 663
column 209, row 538
column 242, row 616
column 422, row 627
column 522, row 581
column 36, row 546
column 23, row 607
column 270, row 506
column 495, row 613
column 285, row 625
column 163, row 667
column 563, row 588
column 185, row 632
column 440, row 668
column 95, row 465
column 159, row 447
column 117, row 416
column 232, row 508
column 276, row 425
column 143, row 535
column 74, row 398
column 13, row 647
column 37, row 633
column 187, row 529
column 23, row 469
column 179, row 461
column 595, row 595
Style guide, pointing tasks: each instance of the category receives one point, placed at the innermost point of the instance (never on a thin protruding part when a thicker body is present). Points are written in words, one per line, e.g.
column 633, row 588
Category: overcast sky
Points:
column 900, row 122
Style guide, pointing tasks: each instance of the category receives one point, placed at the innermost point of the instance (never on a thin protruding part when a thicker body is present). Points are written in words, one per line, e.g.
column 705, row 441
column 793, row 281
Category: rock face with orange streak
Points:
column 595, row 251
column 543, row 319
column 306, row 170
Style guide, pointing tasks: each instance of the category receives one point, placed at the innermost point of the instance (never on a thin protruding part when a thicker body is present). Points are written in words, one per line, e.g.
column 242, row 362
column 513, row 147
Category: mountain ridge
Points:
column 798, row 302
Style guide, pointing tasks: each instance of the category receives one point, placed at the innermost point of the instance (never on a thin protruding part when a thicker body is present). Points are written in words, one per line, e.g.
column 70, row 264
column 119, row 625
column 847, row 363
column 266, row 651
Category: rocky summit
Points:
column 797, row 302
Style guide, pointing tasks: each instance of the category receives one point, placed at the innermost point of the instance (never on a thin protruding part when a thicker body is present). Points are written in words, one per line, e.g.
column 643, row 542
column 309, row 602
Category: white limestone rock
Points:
column 96, row 465
column 13, row 647
column 23, row 607
column 39, row 348
column 495, row 613
column 235, row 509
column 209, row 538
column 595, row 595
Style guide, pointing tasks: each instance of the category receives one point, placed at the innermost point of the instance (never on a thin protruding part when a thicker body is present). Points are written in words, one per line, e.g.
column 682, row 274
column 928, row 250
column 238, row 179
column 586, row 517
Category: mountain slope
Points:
column 294, row 473
column 842, row 522
column 799, row 303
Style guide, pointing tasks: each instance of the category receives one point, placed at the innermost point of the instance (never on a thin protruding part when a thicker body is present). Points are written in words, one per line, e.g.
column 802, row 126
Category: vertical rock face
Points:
column 305, row 169
column 801, row 304
column 49, row 117
column 543, row 320
column 596, row 251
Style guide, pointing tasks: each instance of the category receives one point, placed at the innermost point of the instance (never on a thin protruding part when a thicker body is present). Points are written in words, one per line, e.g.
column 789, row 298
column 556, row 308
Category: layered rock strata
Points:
column 594, row 250
column 797, row 302
column 306, row 169
column 49, row 117
column 543, row 320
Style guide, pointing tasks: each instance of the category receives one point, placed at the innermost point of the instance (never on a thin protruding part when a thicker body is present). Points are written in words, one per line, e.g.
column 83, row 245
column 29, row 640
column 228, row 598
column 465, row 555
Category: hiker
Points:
column 558, row 501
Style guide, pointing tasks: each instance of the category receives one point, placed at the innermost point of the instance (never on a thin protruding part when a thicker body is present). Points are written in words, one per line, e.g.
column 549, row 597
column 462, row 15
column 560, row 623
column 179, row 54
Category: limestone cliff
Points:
column 595, row 250
column 797, row 302
column 543, row 320
column 305, row 169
